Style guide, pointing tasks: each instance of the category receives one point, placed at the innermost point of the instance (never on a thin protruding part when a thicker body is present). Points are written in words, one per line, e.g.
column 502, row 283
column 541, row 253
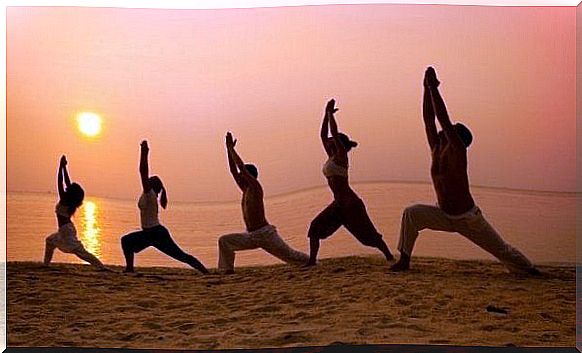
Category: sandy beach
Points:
column 352, row 300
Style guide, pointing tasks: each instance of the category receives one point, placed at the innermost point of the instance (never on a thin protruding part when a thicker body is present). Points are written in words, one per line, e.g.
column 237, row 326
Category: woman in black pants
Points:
column 153, row 233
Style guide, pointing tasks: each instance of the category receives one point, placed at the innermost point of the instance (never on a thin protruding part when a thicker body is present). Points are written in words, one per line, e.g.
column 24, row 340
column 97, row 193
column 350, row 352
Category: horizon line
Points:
column 314, row 187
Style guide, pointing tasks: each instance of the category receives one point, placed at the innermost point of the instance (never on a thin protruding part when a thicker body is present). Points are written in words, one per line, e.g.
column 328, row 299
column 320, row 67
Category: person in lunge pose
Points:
column 153, row 233
column 71, row 197
column 259, row 234
column 456, row 210
column 347, row 209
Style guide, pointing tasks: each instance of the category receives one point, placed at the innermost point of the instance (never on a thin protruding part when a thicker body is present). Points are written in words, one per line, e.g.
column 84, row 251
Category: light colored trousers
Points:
column 65, row 239
column 265, row 238
column 472, row 225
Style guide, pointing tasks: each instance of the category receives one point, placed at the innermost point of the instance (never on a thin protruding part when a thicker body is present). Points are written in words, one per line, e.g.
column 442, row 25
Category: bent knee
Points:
column 223, row 241
column 126, row 243
column 316, row 230
column 414, row 209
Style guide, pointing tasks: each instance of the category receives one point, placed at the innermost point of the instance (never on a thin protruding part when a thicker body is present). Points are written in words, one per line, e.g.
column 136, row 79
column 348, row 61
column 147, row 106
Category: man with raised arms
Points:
column 456, row 210
column 259, row 234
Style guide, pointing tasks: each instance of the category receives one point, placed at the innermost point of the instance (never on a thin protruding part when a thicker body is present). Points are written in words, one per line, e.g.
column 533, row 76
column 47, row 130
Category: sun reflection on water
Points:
column 91, row 233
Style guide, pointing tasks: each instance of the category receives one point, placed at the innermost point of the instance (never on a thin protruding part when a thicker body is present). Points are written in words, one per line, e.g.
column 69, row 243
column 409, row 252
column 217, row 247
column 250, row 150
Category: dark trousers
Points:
column 159, row 238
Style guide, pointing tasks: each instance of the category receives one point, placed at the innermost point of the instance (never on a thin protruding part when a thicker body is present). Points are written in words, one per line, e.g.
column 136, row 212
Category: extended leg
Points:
column 167, row 245
column 276, row 246
column 90, row 258
column 358, row 222
column 480, row 232
column 385, row 250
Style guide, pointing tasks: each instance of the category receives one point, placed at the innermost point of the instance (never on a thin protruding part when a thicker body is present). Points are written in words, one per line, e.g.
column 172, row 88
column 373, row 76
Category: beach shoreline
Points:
column 351, row 300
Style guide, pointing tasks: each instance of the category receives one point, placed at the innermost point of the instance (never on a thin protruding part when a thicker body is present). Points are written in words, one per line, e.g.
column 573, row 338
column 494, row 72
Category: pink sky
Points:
column 182, row 78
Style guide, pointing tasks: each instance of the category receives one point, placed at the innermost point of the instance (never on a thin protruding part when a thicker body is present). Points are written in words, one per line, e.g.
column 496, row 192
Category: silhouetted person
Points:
column 153, row 233
column 71, row 197
column 456, row 211
column 347, row 209
column 259, row 234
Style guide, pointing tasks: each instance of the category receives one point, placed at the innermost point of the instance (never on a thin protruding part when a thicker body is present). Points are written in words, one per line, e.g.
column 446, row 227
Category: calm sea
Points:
column 541, row 224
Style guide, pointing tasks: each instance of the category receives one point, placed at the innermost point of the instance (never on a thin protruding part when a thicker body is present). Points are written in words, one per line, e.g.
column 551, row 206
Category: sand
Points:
column 352, row 300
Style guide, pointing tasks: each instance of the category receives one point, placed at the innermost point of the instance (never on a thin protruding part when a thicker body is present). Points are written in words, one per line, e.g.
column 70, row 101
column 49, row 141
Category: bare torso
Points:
column 253, row 208
column 450, row 179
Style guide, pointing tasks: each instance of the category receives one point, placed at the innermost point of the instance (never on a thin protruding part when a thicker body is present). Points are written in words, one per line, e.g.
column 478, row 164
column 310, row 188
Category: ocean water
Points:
column 541, row 224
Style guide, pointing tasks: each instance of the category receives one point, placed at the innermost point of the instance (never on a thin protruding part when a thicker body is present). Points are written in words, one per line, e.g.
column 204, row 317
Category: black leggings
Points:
column 159, row 238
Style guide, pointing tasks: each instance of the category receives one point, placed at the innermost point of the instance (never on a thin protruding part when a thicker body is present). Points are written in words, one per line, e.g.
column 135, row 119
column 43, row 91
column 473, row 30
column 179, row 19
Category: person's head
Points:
column 158, row 186
column 345, row 140
column 463, row 132
column 252, row 169
column 74, row 196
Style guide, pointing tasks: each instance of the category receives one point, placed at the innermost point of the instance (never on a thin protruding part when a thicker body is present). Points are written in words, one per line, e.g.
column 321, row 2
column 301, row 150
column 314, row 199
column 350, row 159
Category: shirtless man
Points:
column 456, row 210
column 259, row 234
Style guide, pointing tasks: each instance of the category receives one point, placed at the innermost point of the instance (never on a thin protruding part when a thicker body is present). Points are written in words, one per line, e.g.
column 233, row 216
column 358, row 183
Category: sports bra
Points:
column 62, row 210
column 331, row 168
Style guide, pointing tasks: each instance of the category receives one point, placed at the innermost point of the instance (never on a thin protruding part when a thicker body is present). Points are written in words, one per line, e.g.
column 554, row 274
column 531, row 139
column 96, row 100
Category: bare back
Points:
column 450, row 179
column 253, row 207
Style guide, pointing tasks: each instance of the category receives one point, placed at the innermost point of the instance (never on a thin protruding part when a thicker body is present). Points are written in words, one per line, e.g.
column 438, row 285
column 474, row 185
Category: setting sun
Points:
column 89, row 124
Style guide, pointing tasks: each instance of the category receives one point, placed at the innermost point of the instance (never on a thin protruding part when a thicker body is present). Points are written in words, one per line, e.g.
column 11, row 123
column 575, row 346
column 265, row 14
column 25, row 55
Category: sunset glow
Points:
column 89, row 124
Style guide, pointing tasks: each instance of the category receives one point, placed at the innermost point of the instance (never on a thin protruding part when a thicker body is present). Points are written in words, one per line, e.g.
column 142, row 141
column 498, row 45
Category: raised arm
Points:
column 60, row 187
column 330, row 109
column 65, row 172
column 441, row 110
column 324, row 134
column 429, row 117
column 243, row 172
column 231, row 163
column 143, row 166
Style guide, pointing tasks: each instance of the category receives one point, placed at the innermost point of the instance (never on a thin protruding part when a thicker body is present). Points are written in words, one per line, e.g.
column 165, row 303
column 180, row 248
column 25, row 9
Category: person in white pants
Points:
column 456, row 210
column 259, row 234
column 71, row 197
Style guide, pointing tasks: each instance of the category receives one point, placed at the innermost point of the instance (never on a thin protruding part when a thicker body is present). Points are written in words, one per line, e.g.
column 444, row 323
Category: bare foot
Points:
column 534, row 272
column 105, row 269
column 400, row 266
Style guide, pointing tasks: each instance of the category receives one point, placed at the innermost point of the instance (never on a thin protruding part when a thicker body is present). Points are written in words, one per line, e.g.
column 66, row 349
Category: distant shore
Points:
column 352, row 300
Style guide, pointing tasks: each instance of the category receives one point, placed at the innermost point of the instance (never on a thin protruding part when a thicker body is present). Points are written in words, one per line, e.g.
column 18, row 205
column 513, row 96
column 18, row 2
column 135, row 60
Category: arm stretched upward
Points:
column 143, row 166
column 324, row 133
column 441, row 110
column 243, row 172
column 62, row 170
column 341, row 153
column 429, row 117
column 231, row 163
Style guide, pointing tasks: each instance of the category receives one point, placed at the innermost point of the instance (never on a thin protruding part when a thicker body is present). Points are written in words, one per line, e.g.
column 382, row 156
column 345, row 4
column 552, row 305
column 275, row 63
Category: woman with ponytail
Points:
column 347, row 209
column 71, row 197
column 153, row 233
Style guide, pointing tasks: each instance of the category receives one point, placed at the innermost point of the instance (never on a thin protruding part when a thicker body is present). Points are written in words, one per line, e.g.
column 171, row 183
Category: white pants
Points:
column 65, row 239
column 265, row 238
column 472, row 225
